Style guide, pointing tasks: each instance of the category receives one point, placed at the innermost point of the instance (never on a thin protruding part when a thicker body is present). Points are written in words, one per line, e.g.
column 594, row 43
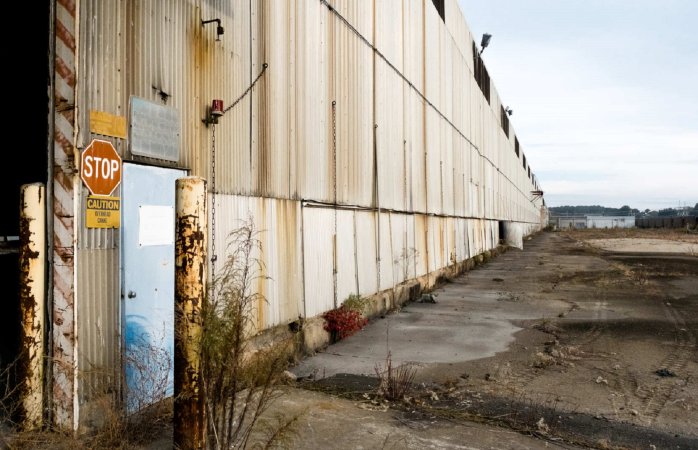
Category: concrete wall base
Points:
column 309, row 336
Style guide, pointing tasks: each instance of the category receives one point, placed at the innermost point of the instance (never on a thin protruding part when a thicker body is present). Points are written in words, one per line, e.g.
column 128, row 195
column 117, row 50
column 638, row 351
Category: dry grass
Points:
column 671, row 234
column 395, row 382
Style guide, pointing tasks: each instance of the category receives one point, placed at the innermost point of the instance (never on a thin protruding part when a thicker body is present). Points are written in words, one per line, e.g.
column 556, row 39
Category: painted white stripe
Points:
column 65, row 128
column 66, row 55
column 64, row 236
column 63, row 90
column 64, row 17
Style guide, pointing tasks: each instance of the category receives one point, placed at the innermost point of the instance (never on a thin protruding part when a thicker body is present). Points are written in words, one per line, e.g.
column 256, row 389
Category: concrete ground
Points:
column 599, row 345
column 561, row 345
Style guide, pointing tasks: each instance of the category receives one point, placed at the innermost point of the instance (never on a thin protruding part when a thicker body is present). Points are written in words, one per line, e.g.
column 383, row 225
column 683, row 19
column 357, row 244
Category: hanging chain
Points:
column 334, row 149
column 334, row 184
column 247, row 91
column 214, row 257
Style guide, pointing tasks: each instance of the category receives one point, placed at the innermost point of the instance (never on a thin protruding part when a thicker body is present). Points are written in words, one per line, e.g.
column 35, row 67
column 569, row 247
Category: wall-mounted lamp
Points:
column 485, row 42
column 509, row 111
column 213, row 112
column 219, row 28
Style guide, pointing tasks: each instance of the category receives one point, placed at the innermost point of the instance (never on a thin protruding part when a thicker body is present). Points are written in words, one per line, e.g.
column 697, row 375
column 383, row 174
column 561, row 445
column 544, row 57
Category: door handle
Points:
column 131, row 294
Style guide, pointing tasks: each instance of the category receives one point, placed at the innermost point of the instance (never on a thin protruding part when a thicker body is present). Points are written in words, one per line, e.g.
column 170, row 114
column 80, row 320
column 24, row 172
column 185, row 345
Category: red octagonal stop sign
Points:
column 100, row 167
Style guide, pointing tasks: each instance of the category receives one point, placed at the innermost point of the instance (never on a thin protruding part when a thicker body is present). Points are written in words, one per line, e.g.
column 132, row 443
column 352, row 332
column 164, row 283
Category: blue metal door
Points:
column 147, row 239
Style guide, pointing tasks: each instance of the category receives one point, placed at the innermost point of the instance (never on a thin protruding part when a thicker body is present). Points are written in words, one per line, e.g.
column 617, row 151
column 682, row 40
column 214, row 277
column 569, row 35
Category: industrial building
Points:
column 592, row 221
column 363, row 138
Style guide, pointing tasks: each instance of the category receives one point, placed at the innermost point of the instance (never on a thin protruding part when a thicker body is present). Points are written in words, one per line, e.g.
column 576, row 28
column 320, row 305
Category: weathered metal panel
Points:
column 461, row 241
column 416, row 147
column 347, row 276
column 421, row 237
column 451, row 240
column 458, row 29
column 313, row 143
column 351, row 84
column 389, row 22
column 98, row 288
column 390, row 140
column 448, row 136
column 413, row 42
column 432, row 55
column 412, row 254
column 446, row 73
column 280, row 226
column 400, row 256
column 366, row 251
column 386, row 252
column 318, row 230
column 278, row 223
column 433, row 182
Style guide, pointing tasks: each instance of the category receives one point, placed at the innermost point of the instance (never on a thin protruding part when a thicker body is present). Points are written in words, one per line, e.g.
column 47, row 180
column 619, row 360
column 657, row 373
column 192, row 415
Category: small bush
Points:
column 346, row 320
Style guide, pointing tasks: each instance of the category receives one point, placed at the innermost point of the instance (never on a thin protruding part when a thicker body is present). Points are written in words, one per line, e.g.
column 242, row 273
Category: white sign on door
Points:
column 155, row 225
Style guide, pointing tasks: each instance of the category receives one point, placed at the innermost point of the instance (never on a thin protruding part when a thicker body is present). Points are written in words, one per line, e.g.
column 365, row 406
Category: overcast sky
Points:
column 604, row 93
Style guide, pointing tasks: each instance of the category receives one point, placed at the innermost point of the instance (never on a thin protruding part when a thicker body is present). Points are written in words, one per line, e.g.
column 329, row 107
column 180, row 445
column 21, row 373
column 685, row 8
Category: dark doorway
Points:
column 25, row 137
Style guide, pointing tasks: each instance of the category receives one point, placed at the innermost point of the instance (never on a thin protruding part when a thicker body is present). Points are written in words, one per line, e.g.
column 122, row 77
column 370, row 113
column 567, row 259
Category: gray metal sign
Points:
column 154, row 130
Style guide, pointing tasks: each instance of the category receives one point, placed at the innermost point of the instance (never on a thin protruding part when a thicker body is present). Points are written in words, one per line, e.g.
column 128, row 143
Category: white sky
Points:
column 604, row 93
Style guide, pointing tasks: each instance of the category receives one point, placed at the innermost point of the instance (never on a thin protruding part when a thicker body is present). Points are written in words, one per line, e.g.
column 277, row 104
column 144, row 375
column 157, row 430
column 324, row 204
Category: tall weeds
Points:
column 237, row 378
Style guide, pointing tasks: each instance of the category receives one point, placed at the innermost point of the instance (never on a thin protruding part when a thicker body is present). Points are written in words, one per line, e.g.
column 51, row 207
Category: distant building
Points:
column 592, row 221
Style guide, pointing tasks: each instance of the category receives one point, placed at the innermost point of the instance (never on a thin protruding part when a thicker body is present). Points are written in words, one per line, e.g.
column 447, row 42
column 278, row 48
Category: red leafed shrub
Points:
column 342, row 322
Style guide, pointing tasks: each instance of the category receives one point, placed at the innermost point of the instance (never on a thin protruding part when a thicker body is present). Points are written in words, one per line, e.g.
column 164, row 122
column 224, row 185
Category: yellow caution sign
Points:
column 108, row 124
column 102, row 212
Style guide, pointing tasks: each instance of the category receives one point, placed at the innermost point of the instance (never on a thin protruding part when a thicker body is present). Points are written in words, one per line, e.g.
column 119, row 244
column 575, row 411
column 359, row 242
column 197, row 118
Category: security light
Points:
column 485, row 42
column 219, row 28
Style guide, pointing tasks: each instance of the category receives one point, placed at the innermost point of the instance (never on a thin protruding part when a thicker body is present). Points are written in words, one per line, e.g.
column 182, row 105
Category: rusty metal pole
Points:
column 32, row 296
column 190, row 291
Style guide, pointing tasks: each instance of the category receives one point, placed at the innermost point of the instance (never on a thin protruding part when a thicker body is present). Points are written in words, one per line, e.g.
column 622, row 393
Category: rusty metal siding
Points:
column 366, row 251
column 313, row 104
column 159, row 51
column 278, row 224
column 416, row 147
column 385, row 253
column 390, row 140
column 98, row 323
column 399, row 256
column 279, row 141
column 354, row 117
column 421, row 237
column 347, row 277
column 318, row 229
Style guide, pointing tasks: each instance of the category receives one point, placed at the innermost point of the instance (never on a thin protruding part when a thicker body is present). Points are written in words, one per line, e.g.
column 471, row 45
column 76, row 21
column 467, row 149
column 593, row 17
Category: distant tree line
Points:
column 624, row 210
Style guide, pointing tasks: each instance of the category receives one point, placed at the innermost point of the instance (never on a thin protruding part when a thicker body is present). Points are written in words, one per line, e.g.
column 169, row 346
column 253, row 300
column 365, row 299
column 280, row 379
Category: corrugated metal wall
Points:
column 403, row 129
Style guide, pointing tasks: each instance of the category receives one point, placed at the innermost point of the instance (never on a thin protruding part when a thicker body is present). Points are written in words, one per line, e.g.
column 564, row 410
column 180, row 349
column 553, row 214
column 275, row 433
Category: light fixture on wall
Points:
column 219, row 27
column 485, row 42
column 509, row 111
column 213, row 112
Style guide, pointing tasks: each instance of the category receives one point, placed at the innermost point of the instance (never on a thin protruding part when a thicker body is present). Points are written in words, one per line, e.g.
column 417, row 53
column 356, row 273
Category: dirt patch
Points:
column 632, row 233
column 591, row 357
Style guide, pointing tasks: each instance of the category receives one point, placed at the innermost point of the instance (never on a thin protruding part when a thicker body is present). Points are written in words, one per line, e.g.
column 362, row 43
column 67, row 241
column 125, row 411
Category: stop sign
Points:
column 100, row 167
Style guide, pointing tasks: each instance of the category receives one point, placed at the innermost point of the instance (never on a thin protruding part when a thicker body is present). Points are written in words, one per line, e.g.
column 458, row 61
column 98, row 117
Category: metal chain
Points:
column 334, row 148
column 334, row 184
column 247, row 91
column 214, row 257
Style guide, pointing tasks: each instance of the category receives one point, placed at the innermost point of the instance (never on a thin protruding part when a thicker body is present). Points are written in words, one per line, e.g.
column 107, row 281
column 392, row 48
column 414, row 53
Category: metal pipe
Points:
column 32, row 297
column 190, row 293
